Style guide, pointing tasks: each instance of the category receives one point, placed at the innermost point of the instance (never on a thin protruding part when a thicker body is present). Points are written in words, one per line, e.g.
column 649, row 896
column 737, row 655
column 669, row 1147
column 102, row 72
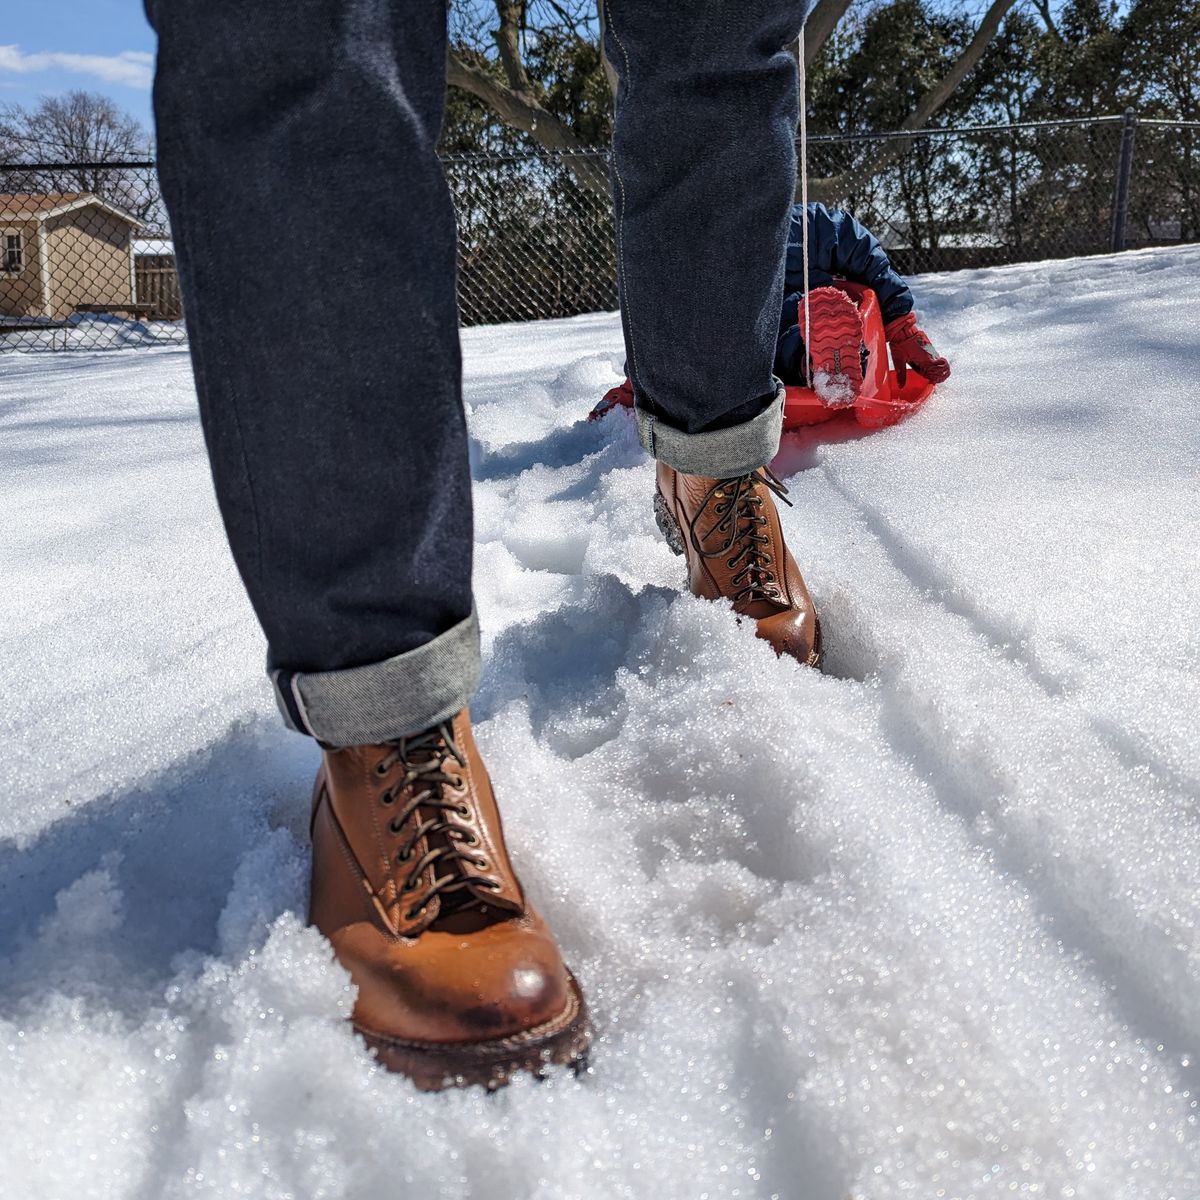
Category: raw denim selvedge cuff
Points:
column 385, row 700
column 720, row 453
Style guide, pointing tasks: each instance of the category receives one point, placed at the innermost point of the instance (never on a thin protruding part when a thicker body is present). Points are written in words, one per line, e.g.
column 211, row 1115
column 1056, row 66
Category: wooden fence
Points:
column 158, row 287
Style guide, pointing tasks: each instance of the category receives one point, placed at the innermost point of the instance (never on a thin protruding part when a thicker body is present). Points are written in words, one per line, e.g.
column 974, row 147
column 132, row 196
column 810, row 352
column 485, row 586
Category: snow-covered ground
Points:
column 927, row 926
column 86, row 331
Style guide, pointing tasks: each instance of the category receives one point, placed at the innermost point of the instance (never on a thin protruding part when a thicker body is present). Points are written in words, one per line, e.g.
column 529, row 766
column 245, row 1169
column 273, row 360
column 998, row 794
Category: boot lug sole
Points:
column 436, row 1066
column 667, row 524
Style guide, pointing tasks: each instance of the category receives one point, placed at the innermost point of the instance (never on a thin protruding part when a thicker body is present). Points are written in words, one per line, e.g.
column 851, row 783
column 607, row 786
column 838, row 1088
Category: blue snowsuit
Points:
column 838, row 247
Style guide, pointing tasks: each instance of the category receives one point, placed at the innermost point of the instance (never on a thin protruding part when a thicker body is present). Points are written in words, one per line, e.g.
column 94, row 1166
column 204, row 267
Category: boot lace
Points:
column 429, row 814
column 738, row 504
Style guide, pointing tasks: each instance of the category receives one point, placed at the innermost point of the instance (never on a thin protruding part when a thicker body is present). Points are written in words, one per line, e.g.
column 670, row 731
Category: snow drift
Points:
column 924, row 926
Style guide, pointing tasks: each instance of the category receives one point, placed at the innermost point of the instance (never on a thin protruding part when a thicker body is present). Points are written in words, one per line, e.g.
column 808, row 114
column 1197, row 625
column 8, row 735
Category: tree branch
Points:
column 521, row 110
column 1043, row 8
column 515, row 107
column 508, row 42
column 835, row 187
column 941, row 91
column 822, row 21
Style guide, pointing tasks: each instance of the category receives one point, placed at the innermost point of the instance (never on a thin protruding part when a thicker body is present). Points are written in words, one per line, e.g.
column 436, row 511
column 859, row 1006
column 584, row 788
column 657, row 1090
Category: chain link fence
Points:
column 86, row 259
column 942, row 200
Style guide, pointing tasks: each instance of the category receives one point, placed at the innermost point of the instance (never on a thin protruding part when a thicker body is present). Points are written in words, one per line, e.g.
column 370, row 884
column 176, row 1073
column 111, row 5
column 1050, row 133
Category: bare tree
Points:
column 78, row 127
column 82, row 131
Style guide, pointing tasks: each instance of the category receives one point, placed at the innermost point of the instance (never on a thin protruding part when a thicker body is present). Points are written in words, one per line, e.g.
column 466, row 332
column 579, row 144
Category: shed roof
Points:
column 38, row 206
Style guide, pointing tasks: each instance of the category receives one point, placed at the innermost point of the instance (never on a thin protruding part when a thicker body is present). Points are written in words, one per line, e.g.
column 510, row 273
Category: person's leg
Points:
column 316, row 246
column 704, row 172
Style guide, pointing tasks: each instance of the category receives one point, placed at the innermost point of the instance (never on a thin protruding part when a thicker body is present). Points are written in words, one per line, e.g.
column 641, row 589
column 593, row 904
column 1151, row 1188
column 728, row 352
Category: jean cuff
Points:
column 720, row 453
column 382, row 701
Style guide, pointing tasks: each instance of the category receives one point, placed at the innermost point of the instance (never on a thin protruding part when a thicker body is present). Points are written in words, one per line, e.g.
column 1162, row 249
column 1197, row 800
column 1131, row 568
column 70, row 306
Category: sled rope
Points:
column 804, row 193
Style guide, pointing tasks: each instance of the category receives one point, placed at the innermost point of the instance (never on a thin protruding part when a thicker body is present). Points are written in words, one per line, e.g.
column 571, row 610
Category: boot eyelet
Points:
column 462, row 810
column 380, row 769
column 472, row 839
column 403, row 856
column 386, row 799
column 457, row 782
column 730, row 563
column 481, row 863
column 393, row 828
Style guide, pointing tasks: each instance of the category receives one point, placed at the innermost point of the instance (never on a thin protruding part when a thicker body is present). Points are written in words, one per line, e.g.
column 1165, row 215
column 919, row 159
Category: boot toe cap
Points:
column 794, row 634
column 459, row 989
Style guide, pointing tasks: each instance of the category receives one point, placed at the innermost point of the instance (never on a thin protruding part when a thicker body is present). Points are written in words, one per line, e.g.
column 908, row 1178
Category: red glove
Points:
column 911, row 348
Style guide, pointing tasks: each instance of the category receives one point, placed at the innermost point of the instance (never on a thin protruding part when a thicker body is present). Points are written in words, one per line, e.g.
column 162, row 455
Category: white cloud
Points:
column 134, row 68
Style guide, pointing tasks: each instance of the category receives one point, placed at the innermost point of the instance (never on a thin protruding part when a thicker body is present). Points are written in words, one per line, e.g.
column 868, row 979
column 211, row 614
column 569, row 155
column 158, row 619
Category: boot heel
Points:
column 667, row 524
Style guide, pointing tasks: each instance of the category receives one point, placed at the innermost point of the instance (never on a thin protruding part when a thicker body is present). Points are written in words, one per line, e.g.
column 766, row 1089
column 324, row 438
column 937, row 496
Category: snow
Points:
column 155, row 247
column 925, row 926
column 835, row 390
column 85, row 331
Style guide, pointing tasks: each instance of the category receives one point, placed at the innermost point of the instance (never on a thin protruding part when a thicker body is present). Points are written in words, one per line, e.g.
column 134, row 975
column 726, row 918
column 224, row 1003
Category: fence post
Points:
column 1121, row 186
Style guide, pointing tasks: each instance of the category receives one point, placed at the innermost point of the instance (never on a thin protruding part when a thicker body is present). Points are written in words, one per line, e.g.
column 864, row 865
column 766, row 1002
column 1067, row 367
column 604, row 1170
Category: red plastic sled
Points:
column 882, row 401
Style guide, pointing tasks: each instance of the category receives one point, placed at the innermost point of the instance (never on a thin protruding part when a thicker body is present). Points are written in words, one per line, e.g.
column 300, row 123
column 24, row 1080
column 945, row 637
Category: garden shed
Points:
column 62, row 252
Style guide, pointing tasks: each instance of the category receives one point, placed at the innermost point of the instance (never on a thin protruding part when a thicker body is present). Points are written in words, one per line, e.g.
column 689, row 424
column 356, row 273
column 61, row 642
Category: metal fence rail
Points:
column 86, row 260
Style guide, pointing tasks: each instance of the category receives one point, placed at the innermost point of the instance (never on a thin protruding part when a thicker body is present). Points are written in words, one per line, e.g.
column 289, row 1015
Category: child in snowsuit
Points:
column 839, row 247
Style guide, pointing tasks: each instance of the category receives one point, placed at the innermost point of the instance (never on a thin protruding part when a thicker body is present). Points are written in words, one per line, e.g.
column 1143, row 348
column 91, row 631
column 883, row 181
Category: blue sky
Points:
column 50, row 46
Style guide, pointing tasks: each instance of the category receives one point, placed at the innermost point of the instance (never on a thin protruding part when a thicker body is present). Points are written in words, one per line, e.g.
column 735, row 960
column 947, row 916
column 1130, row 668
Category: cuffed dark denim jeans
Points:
column 315, row 242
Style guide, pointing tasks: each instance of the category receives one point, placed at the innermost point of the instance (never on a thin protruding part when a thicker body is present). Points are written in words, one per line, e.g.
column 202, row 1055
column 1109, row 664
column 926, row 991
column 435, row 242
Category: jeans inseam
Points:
column 201, row 365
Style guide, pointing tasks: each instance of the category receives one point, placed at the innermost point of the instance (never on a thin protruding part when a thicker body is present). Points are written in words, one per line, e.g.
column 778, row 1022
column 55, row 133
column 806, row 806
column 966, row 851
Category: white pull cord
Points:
column 804, row 196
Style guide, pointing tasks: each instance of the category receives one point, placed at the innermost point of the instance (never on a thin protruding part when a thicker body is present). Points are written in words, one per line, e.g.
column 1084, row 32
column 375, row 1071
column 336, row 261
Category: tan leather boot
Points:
column 459, row 980
column 729, row 532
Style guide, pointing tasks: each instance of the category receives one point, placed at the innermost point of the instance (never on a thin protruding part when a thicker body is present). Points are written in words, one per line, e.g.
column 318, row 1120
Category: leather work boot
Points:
column 459, row 980
column 729, row 532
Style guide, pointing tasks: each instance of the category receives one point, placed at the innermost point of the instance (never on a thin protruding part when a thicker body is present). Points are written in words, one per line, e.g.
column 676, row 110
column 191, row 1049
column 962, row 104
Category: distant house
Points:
column 62, row 252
